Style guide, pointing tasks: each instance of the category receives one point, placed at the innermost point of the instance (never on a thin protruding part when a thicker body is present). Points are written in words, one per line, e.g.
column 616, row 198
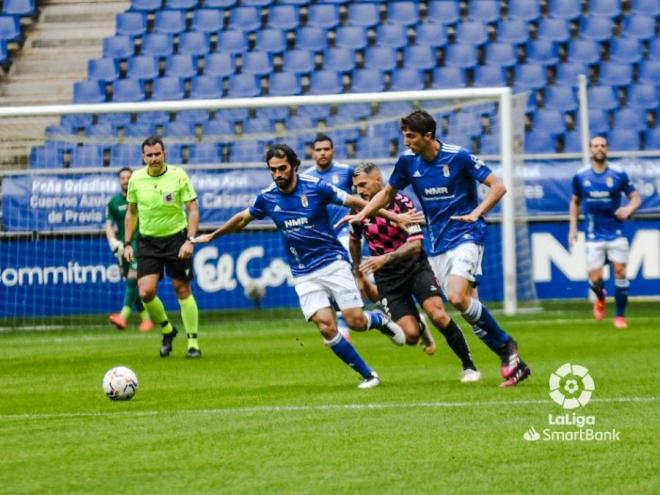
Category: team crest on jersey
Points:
column 445, row 170
column 168, row 198
column 335, row 179
column 304, row 201
column 609, row 181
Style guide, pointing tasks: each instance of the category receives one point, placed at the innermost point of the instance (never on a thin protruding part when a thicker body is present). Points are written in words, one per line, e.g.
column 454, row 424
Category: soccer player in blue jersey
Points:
column 297, row 204
column 600, row 187
column 444, row 178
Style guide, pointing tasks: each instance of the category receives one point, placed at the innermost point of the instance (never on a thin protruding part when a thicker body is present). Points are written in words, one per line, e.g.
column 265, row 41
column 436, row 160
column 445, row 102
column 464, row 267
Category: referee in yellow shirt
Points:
column 159, row 195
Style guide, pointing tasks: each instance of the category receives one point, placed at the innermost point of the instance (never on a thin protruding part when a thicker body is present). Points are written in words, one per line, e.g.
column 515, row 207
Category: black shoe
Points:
column 193, row 353
column 166, row 345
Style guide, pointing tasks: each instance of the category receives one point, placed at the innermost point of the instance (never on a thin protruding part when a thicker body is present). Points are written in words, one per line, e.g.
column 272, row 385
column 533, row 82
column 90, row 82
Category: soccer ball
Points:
column 120, row 383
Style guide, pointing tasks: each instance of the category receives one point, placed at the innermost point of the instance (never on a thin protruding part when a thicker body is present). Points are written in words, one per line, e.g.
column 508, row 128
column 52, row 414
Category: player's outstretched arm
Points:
column 234, row 224
column 373, row 208
column 573, row 215
column 406, row 250
column 635, row 201
column 496, row 189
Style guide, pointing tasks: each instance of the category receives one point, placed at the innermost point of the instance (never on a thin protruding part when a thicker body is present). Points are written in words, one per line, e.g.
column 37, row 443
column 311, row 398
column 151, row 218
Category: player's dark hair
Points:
column 591, row 140
column 419, row 121
column 364, row 168
column 153, row 141
column 322, row 137
column 283, row 151
column 124, row 169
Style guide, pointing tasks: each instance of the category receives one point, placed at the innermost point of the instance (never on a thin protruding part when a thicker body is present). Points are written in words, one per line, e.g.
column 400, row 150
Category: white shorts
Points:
column 464, row 260
column 333, row 281
column 598, row 252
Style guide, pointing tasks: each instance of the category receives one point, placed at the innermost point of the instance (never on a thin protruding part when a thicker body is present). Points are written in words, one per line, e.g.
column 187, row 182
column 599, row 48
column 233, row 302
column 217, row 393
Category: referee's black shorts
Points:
column 397, row 295
column 158, row 254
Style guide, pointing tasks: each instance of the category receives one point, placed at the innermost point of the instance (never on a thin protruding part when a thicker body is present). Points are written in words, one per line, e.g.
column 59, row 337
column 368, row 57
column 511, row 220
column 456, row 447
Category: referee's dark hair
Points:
column 419, row 121
column 283, row 151
column 153, row 141
column 124, row 169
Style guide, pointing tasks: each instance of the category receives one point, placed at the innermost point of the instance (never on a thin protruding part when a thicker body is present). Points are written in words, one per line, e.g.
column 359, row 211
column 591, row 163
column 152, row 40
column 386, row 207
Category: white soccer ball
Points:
column 120, row 383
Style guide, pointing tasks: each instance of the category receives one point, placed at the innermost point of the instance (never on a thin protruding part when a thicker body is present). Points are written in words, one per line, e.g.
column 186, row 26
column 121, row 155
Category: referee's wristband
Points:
column 190, row 238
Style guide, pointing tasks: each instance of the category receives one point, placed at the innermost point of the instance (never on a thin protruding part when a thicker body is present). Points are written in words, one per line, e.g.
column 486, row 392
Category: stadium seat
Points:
column 407, row 79
column 103, row 130
column 639, row 26
column 602, row 97
column 529, row 76
column 312, row 38
column 342, row 135
column 193, row 116
column 283, row 17
column 143, row 67
column 652, row 138
column 219, row 4
column 10, row 29
column 596, row 27
column 208, row 21
column 257, row 63
column 50, row 155
column 444, row 11
column 629, row 118
column 367, row 81
column 127, row 90
column 157, row 45
column 204, row 153
column 4, row 54
column 244, row 19
column 527, row 10
column 642, row 96
column 448, row 78
column 356, row 110
column 179, row 129
column 299, row 122
column 395, row 108
column 76, row 122
column 298, row 61
column 489, row 144
column 181, row 65
column 544, row 52
column 218, row 127
column 539, row 141
column 373, row 147
column 598, row 121
column 363, row 14
column 256, row 3
column 564, row 9
column 88, row 92
column 512, row 31
column 391, row 35
column 460, row 55
column 284, row 84
column 194, row 43
column 484, row 10
column 325, row 81
column 354, row 37
column 243, row 86
column 567, row 74
column 146, row 5
column 615, row 74
column 141, row 129
column 420, row 57
column 205, row 87
column 646, row 7
column 87, row 155
column 315, row 111
column 605, row 8
column 388, row 130
column 118, row 47
column 502, row 54
column 433, row 34
column 169, row 88
column 403, row 12
column 623, row 140
column 583, row 51
column 654, row 49
column 116, row 119
column 553, row 29
column 181, row 4
column 270, row 40
column 325, row 16
column 472, row 33
column 626, row 50
column 561, row 98
column 126, row 155
column 339, row 59
column 649, row 72
column 572, row 142
column 131, row 23
column 102, row 69
column 169, row 22
column 257, row 126
column 19, row 8
column 489, row 76
column 247, row 151
column 549, row 121
column 232, row 41
column 218, row 64
column 380, row 57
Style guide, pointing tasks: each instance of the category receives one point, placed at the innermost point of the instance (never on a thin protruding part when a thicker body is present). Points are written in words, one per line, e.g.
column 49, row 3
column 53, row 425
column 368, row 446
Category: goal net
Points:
column 60, row 167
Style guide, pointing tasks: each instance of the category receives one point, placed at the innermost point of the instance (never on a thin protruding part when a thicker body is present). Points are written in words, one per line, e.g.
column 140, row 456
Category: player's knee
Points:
column 411, row 331
column 355, row 320
column 327, row 327
column 147, row 294
column 459, row 300
column 440, row 317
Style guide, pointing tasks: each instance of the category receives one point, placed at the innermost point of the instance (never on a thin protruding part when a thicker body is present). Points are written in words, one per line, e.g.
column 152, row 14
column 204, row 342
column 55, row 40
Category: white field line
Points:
column 318, row 407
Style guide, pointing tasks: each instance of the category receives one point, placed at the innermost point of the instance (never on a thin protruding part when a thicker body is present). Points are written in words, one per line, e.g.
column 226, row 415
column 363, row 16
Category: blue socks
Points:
column 347, row 353
column 484, row 326
column 375, row 319
column 621, row 286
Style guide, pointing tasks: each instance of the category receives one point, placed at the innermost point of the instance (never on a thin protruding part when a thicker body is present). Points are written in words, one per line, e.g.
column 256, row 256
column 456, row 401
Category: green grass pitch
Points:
column 269, row 410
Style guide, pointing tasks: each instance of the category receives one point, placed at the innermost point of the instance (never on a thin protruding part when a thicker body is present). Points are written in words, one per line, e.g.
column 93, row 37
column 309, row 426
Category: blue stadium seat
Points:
column 646, row 7
column 419, row 57
column 598, row 121
column 444, row 11
column 169, row 88
column 204, row 153
column 102, row 69
column 649, row 72
column 205, row 87
column 489, row 76
column 388, row 130
column 193, row 116
column 143, row 67
column 127, row 90
column 460, row 55
column 174, row 152
column 339, row 59
column 243, row 86
column 615, row 74
column 219, row 4
column 502, row 54
column 583, row 51
column 4, row 53
column 256, row 3
column 315, row 111
column 654, row 49
column 391, row 35
column 596, row 27
column 88, row 92
column 341, row 136
column 50, row 155
column 407, row 79
column 140, row 129
column 623, row 140
column 298, row 61
column 312, row 38
column 529, row 76
column 181, row 4
column 373, row 147
column 76, row 122
column 554, row 29
column 126, row 155
column 489, row 144
column 639, row 26
column 207, row 20
column 283, row 17
column 157, row 45
column 87, row 155
column 380, row 57
column 256, row 126
column 527, row 10
column 247, row 151
column 561, row 98
column 356, row 110
column 367, row 81
column 218, row 127
column 257, row 63
column 543, row 52
column 271, row 40
column 402, row 12
column 572, row 142
column 300, row 122
column 150, row 119
column 354, row 37
column 118, row 47
column 448, row 78
column 565, row 9
column 19, row 8
column 652, row 138
column 53, row 132
column 642, row 96
column 179, row 131
column 608, row 8
column 169, row 22
column 363, row 14
column 602, row 97
column 472, row 33
column 244, row 19
column 539, row 141
column 102, row 130
column 131, row 23
column 194, row 43
column 395, row 108
column 10, row 29
column 567, row 73
column 513, row 31
column 325, row 82
column 432, row 34
column 284, row 84
column 626, row 50
column 146, row 5
column 484, row 10
column 232, row 41
column 629, row 118
column 116, row 119
column 324, row 16
column 181, row 65
column 218, row 64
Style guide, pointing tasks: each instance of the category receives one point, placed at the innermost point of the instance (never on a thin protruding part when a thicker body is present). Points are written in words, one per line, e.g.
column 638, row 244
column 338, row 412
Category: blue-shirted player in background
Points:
column 600, row 187
column 444, row 177
column 297, row 204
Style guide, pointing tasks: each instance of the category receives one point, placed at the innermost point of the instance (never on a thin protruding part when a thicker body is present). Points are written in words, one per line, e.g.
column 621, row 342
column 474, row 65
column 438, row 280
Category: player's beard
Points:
column 283, row 183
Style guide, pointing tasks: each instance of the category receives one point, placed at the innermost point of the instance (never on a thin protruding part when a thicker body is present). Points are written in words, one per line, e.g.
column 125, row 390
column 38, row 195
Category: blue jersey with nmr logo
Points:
column 302, row 218
column 445, row 186
column 600, row 194
column 339, row 175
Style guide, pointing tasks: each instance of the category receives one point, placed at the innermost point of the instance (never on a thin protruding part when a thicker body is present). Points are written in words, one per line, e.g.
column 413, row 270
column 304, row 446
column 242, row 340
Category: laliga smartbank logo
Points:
column 571, row 387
